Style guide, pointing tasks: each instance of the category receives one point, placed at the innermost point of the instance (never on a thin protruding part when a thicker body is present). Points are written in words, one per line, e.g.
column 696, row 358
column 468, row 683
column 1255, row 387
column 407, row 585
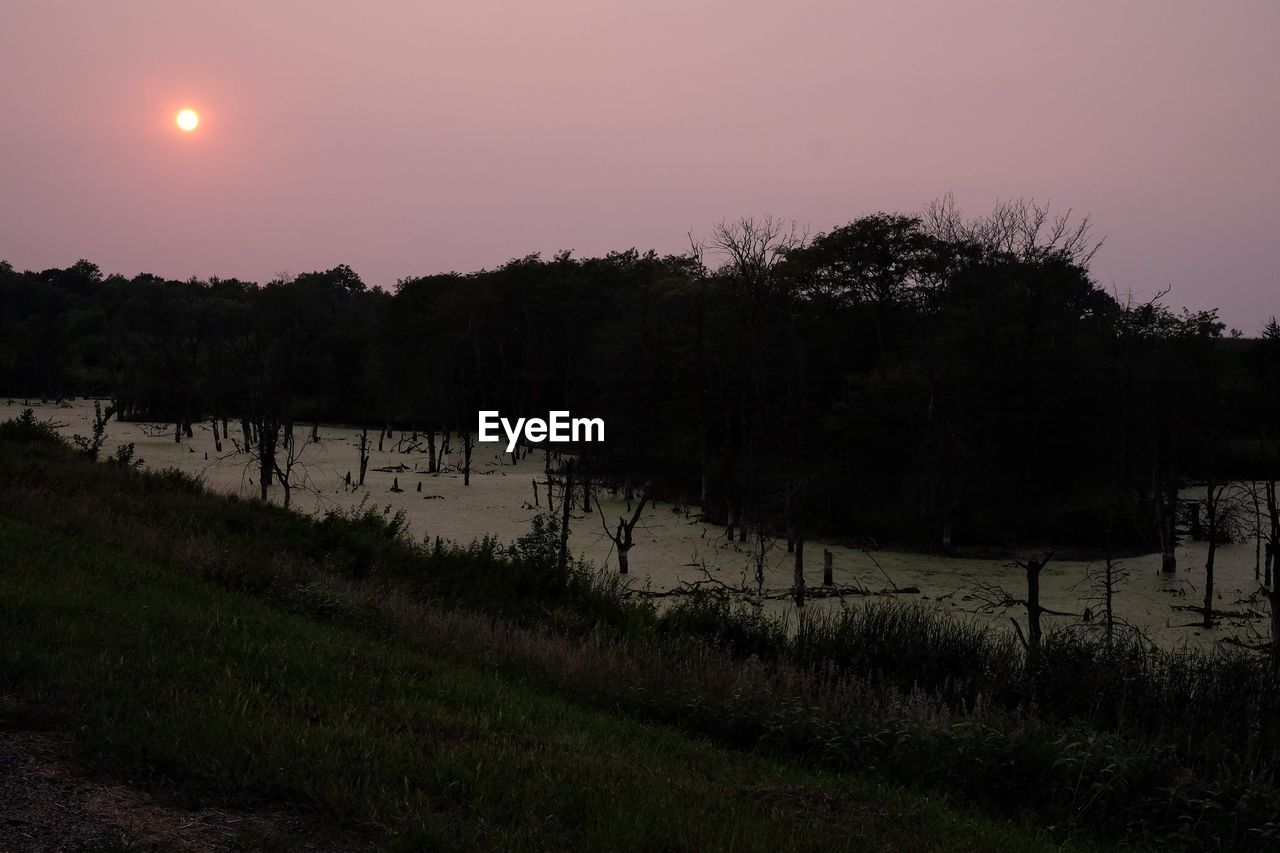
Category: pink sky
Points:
column 405, row 137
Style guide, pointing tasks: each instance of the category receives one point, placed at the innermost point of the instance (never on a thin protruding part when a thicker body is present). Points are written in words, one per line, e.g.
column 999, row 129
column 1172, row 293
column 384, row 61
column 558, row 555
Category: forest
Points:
column 930, row 380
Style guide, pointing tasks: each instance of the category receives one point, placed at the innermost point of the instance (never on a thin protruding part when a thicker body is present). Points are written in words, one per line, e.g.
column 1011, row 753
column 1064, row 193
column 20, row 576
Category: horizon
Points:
column 405, row 141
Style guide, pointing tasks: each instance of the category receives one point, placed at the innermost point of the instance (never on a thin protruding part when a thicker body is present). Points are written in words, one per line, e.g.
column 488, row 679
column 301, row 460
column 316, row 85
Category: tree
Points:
column 622, row 537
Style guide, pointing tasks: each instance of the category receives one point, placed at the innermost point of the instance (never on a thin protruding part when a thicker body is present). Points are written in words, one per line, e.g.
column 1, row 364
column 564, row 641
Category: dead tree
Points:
column 1103, row 585
column 1273, row 545
column 1166, row 494
column 795, row 511
column 1214, row 512
column 268, row 434
column 799, row 567
column 546, row 470
column 1021, row 227
column 468, row 445
column 764, row 543
column 622, row 536
column 994, row 597
column 565, row 507
column 433, row 464
column 285, row 474
column 1033, row 568
column 1272, row 595
column 364, row 454
column 753, row 248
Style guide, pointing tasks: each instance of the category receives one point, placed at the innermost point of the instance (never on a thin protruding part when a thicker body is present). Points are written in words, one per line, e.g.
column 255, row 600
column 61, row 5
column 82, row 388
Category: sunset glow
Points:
column 188, row 120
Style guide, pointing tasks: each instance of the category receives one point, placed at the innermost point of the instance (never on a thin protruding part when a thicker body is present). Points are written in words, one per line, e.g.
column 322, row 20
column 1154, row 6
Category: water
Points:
column 671, row 546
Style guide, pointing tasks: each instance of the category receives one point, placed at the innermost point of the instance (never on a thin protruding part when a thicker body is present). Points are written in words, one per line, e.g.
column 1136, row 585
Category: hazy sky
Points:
column 412, row 137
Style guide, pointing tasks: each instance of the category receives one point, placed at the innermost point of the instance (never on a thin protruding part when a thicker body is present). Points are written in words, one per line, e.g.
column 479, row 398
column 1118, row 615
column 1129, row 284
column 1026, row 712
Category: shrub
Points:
column 26, row 429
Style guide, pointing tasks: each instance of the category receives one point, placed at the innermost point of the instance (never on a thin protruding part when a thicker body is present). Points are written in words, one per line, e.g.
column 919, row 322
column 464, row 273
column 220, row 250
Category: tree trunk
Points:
column 1169, row 560
column 268, row 435
column 1273, row 548
column 217, row 439
column 799, row 567
column 828, row 578
column 364, row 454
column 1273, row 598
column 1034, row 568
column 1211, row 509
column 1110, row 613
column 467, row 446
column 563, row 561
column 622, row 559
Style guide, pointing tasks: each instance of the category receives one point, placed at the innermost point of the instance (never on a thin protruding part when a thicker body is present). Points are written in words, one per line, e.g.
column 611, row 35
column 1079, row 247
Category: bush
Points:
column 26, row 429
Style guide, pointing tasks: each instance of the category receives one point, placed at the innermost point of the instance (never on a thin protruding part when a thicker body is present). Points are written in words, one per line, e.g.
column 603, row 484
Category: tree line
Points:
column 925, row 379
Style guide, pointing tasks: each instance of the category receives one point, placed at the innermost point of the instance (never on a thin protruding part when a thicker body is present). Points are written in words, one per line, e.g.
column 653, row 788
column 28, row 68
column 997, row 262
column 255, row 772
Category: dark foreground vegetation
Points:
column 934, row 381
column 432, row 694
column 214, row 652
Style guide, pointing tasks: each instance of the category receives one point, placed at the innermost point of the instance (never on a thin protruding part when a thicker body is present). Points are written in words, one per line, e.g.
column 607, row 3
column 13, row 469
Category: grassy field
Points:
column 200, row 686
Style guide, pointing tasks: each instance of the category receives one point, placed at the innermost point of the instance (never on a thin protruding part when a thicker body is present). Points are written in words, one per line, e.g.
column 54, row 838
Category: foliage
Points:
column 971, row 377
column 25, row 428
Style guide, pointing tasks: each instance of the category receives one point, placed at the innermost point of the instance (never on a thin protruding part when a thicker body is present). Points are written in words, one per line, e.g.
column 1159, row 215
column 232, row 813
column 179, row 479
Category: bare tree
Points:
column 1021, row 227
column 364, row 454
column 1214, row 510
column 566, row 505
column 1104, row 581
column 468, row 445
column 622, row 537
column 267, row 429
column 292, row 474
column 754, row 247
column 795, row 509
column 1272, row 548
column 994, row 597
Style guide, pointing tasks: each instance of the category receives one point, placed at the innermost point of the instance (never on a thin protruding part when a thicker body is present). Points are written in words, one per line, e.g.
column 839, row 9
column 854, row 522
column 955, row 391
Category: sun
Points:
column 188, row 120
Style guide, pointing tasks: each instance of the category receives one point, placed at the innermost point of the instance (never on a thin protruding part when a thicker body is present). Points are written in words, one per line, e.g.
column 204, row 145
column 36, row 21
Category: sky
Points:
column 405, row 137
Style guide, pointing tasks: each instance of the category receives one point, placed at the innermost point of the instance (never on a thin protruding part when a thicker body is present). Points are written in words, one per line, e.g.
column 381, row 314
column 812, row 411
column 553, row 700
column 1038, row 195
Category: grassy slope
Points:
column 169, row 677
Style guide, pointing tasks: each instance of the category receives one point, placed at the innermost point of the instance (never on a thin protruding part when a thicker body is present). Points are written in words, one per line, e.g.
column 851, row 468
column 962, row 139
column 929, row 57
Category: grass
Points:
column 181, row 683
column 1111, row 746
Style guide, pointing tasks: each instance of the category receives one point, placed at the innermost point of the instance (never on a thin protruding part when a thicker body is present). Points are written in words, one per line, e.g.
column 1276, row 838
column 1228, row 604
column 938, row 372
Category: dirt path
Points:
column 48, row 804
